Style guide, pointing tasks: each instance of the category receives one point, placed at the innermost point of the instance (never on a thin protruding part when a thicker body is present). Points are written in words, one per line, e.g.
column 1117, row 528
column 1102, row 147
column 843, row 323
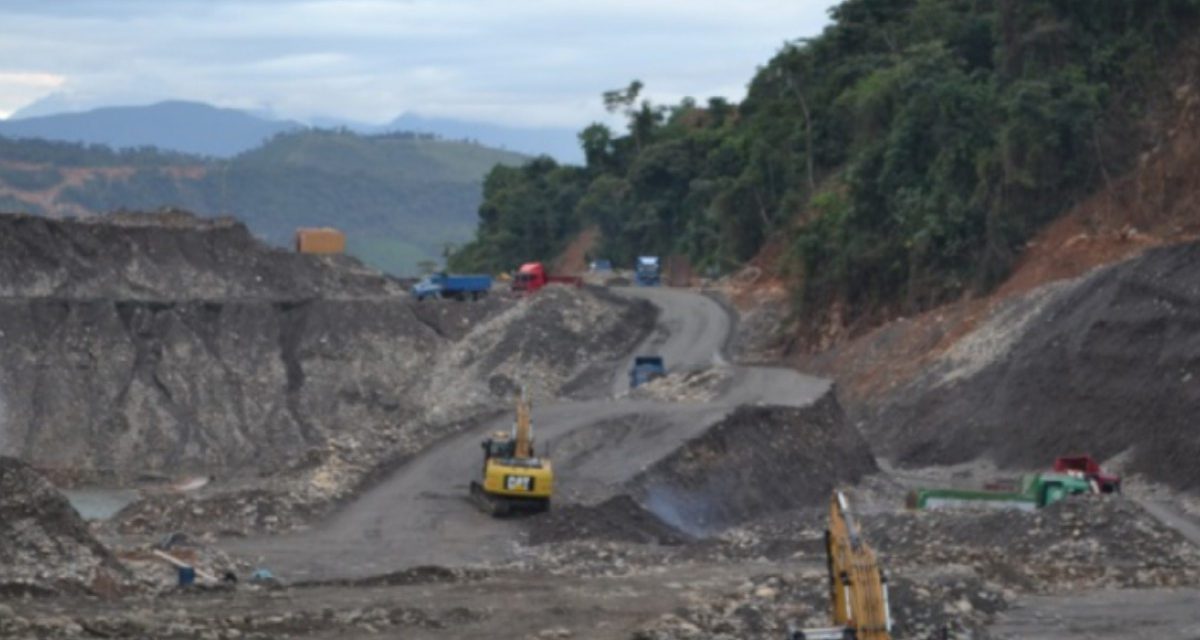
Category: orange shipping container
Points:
column 320, row 240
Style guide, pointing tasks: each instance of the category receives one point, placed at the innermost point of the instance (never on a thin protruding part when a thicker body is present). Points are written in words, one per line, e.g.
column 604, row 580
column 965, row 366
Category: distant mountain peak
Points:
column 175, row 125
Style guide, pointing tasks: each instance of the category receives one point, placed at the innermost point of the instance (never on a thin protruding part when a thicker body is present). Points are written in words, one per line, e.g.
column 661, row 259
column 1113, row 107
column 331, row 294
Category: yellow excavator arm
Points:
column 857, row 586
column 523, row 428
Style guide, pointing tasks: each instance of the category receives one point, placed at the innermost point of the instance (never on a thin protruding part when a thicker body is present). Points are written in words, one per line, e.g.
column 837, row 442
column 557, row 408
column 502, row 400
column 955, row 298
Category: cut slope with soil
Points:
column 1103, row 364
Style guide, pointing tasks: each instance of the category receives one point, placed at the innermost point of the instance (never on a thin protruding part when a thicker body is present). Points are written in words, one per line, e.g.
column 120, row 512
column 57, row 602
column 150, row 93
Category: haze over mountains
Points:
column 198, row 128
column 401, row 197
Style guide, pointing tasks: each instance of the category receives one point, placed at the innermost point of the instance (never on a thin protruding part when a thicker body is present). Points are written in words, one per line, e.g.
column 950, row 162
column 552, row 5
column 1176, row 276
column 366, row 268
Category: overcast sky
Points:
column 520, row 62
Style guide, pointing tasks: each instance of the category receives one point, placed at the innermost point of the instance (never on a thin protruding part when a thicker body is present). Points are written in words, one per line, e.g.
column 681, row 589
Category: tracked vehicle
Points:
column 514, row 479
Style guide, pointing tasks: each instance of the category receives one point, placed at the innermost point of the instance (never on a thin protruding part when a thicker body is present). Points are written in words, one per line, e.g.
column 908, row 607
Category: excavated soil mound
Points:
column 756, row 461
column 171, row 255
column 1103, row 364
column 44, row 544
column 618, row 519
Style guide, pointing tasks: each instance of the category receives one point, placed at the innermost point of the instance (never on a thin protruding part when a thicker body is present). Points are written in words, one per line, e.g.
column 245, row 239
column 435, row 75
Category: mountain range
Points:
column 401, row 198
column 202, row 129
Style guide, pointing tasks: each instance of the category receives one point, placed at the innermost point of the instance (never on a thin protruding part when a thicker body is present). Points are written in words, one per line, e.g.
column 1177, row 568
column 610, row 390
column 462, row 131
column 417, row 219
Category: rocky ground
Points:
column 293, row 390
column 45, row 547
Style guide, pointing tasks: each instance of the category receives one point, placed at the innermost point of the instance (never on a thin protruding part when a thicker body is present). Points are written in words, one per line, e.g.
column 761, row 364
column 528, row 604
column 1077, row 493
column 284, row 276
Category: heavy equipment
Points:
column 532, row 276
column 513, row 477
column 457, row 287
column 1037, row 490
column 858, row 591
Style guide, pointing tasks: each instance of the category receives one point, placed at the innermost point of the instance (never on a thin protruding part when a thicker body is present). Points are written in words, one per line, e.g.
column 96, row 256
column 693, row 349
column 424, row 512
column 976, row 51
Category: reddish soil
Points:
column 49, row 200
column 1154, row 204
column 573, row 259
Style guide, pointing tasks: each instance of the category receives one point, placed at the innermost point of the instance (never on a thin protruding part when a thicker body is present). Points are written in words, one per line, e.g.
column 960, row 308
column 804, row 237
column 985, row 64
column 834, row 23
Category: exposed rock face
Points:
column 44, row 544
column 758, row 460
column 1103, row 364
column 168, row 344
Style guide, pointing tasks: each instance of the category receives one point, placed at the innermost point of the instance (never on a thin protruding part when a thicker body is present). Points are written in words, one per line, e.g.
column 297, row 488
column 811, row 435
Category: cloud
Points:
column 529, row 62
column 18, row 88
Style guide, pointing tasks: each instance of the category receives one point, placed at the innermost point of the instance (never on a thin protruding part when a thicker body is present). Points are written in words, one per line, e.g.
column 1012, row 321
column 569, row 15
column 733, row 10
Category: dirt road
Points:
column 1127, row 614
column 420, row 515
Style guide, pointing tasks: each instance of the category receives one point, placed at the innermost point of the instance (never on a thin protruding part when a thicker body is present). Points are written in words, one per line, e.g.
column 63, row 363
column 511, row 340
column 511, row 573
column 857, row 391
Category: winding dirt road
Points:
column 420, row 515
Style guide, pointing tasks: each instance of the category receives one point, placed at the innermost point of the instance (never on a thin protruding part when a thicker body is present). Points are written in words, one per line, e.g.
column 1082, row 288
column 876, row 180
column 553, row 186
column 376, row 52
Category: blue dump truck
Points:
column 646, row 271
column 443, row 285
column 645, row 369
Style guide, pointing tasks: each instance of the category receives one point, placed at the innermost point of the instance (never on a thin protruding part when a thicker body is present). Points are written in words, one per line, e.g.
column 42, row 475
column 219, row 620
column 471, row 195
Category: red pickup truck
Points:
column 532, row 276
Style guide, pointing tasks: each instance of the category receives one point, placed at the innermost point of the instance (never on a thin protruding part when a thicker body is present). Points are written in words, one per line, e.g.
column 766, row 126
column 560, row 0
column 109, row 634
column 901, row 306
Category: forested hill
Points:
column 900, row 159
column 400, row 197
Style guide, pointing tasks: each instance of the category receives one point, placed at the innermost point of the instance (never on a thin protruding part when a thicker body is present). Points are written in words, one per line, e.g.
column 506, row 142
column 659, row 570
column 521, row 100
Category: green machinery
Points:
column 1037, row 490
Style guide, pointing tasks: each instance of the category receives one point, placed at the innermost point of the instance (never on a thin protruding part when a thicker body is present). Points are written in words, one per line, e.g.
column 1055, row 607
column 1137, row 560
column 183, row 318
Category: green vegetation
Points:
column 400, row 198
column 903, row 156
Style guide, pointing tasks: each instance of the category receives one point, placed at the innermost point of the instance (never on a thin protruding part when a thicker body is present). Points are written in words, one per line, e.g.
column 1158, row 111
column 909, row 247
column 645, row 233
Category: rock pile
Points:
column 701, row 385
column 1087, row 542
column 45, row 547
column 758, row 460
column 770, row 605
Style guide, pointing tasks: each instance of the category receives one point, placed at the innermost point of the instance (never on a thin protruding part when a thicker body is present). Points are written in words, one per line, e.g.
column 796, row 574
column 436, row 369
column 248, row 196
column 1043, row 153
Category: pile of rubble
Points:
column 45, row 547
column 1087, row 542
column 543, row 343
column 771, row 605
column 699, row 385
column 758, row 460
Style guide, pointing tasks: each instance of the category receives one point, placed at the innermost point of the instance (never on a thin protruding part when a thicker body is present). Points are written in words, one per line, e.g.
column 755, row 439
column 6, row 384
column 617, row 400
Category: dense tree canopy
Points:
column 903, row 155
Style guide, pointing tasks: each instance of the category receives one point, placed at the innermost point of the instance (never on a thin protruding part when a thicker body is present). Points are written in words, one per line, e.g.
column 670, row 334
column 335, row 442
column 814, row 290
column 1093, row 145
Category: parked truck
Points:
column 532, row 276
column 1037, row 490
column 645, row 369
column 647, row 272
column 1086, row 467
column 457, row 287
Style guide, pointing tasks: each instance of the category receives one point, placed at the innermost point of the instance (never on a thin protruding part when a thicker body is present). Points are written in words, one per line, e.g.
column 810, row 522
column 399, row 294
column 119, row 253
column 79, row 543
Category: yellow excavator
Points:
column 514, row 477
column 857, row 585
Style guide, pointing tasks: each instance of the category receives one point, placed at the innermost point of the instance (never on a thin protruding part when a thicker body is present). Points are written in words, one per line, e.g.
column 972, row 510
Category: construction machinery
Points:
column 1036, row 490
column 858, row 589
column 514, row 478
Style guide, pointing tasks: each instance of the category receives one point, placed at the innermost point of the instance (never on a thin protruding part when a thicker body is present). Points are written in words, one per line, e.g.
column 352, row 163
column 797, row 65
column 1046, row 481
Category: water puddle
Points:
column 99, row 504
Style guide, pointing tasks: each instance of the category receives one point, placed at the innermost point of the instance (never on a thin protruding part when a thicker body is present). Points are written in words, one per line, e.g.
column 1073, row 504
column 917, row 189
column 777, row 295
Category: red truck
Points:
column 1086, row 466
column 532, row 276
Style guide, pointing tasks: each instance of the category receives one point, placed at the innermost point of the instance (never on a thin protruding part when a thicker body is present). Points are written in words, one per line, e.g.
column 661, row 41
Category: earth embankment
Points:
column 1107, row 363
